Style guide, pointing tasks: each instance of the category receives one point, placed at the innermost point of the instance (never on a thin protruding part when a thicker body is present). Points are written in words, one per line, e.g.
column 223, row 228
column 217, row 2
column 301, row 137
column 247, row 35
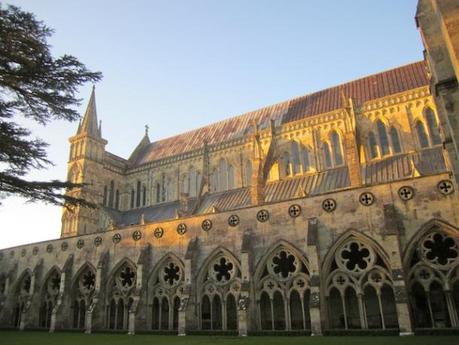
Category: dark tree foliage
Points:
column 37, row 86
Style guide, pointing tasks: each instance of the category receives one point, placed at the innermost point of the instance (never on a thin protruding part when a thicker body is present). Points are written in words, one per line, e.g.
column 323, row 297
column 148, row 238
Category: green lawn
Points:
column 38, row 338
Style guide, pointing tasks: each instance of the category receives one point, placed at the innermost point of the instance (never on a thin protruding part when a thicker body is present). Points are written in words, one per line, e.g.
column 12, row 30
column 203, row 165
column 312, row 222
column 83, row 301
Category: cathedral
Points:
column 336, row 211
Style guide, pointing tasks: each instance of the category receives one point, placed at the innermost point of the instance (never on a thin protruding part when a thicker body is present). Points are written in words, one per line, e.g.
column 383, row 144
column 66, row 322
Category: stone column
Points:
column 314, row 283
column 27, row 304
column 52, row 326
column 184, row 299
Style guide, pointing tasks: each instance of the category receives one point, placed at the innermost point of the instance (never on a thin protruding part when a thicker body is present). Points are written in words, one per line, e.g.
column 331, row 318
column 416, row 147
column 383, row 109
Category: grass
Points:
column 38, row 338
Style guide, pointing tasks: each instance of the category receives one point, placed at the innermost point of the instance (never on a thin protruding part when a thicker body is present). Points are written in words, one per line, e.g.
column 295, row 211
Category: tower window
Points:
column 132, row 198
column 383, row 140
column 138, row 194
column 327, row 155
column 337, row 152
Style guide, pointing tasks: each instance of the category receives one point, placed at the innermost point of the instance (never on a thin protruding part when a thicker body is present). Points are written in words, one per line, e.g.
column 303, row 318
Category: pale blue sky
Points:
column 177, row 65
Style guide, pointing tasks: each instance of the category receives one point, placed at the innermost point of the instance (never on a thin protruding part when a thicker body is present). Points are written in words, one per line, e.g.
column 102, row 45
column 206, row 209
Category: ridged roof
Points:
column 361, row 90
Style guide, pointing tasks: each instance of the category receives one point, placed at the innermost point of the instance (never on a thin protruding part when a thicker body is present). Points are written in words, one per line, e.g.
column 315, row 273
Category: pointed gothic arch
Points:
column 219, row 282
column 119, row 296
column 22, row 290
column 49, row 296
column 432, row 262
column 83, row 287
column 357, row 284
column 282, row 288
column 166, row 285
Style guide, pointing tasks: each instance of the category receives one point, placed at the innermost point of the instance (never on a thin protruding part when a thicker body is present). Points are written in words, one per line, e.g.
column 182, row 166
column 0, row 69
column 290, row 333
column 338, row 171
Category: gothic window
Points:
column 295, row 151
column 383, row 139
column 144, row 196
column 327, row 155
column 373, row 145
column 120, row 291
column 223, row 172
column 422, row 136
column 158, row 192
column 283, row 289
column 231, row 177
column 117, row 199
column 49, row 298
column 248, row 173
column 193, row 182
column 359, row 289
column 433, row 126
column 220, row 283
column 167, row 286
column 23, row 295
column 395, row 140
column 137, row 202
column 83, row 293
column 185, row 183
column 105, row 196
column 433, row 279
column 306, row 160
column 285, row 165
column 337, row 151
column 132, row 198
column 111, row 194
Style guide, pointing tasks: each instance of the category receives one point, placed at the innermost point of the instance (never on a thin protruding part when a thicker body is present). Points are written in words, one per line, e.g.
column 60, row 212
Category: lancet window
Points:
column 219, row 293
column 283, row 291
column 359, row 289
column 434, row 280
column 119, row 296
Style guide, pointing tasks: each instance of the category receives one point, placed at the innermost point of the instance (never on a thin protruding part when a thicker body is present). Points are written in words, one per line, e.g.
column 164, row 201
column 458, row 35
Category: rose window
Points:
column 222, row 270
column 26, row 285
column 440, row 249
column 54, row 284
column 284, row 264
column 355, row 257
column 88, row 281
column 171, row 274
column 127, row 276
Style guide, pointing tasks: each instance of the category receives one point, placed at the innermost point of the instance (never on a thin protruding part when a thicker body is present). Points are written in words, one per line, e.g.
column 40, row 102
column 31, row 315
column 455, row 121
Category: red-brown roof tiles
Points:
column 361, row 90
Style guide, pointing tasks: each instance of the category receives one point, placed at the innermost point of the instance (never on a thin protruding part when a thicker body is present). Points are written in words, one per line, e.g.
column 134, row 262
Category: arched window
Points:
column 327, row 155
column 119, row 293
column 49, row 298
column 137, row 204
column 185, row 183
column 359, row 288
column 422, row 136
column 394, row 138
column 144, row 196
column 117, row 199
column 295, row 150
column 433, row 126
column 284, row 166
column 167, row 284
column 231, row 177
column 83, row 293
column 337, row 151
column 434, row 280
column 283, row 290
column 223, row 175
column 111, row 194
column 248, row 173
column 306, row 160
column 132, row 198
column 193, row 182
column 105, row 195
column 220, row 283
column 373, row 145
column 23, row 294
column 383, row 139
column 158, row 192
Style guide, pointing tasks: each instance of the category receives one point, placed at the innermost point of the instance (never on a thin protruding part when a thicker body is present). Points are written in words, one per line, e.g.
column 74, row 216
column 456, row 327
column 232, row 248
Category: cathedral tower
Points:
column 85, row 165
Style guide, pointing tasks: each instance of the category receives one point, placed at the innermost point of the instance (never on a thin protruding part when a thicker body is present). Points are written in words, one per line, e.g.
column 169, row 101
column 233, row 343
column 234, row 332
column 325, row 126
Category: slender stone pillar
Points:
column 314, row 270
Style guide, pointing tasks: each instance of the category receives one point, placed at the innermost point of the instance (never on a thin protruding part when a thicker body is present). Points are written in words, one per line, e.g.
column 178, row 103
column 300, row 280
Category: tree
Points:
column 37, row 86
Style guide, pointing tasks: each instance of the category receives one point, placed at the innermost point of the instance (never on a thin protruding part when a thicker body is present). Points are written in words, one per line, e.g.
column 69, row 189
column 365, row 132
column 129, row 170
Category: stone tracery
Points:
column 359, row 288
column 283, row 290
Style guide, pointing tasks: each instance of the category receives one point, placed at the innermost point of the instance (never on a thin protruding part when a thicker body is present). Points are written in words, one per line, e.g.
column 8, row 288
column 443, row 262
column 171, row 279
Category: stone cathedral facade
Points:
column 337, row 210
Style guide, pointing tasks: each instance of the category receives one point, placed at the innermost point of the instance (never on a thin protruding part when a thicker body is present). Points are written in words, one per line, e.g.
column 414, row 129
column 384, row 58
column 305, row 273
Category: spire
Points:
column 89, row 123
